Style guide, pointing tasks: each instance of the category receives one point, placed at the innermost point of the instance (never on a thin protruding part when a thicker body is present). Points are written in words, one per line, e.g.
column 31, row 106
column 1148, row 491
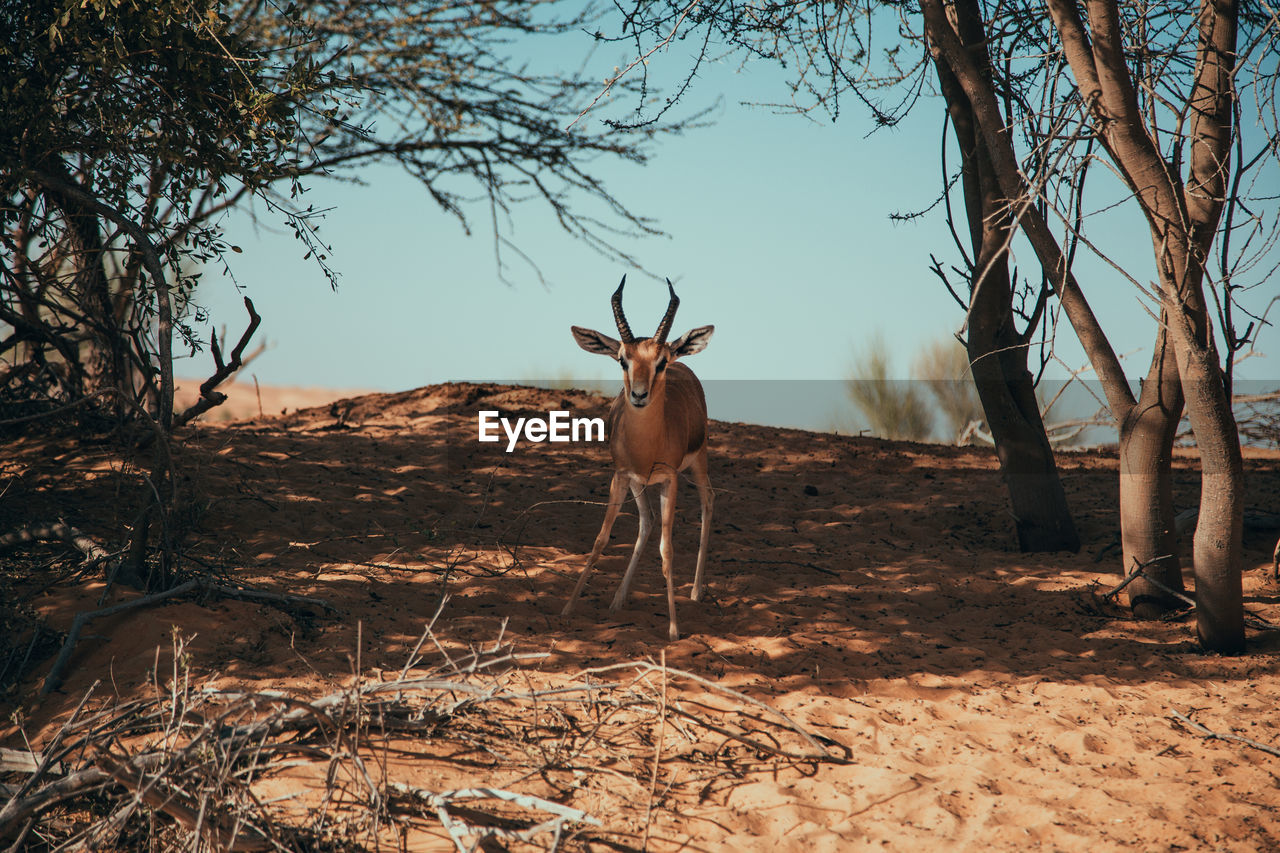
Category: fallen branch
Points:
column 1138, row 572
column 657, row 754
column 237, row 839
column 1183, row 597
column 274, row 598
column 59, row 410
column 54, row 679
column 45, row 761
column 18, row 809
column 20, row 761
column 441, row 803
column 1250, row 619
column 57, row 532
column 1212, row 735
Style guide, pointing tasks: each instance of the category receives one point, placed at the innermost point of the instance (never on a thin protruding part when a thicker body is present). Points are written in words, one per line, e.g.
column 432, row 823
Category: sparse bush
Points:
column 899, row 408
column 894, row 408
column 944, row 367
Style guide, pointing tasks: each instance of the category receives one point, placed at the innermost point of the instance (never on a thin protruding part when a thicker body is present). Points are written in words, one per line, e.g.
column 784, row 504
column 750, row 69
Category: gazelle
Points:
column 657, row 428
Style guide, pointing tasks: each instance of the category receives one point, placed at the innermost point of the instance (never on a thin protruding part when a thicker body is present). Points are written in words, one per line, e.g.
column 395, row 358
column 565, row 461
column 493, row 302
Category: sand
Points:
column 978, row 698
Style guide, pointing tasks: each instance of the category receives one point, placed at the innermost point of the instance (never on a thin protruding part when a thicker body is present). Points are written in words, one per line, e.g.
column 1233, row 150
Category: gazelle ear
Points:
column 694, row 340
column 593, row 341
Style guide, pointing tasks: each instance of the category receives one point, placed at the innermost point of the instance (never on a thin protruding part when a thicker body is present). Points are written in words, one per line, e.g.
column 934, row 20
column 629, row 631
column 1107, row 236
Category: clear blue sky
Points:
column 778, row 233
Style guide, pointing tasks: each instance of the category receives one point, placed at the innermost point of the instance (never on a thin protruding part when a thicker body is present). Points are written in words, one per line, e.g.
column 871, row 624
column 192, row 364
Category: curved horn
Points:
column 623, row 329
column 664, row 328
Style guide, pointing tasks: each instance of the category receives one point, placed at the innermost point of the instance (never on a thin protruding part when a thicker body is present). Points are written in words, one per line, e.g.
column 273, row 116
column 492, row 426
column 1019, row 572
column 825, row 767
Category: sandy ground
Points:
column 978, row 698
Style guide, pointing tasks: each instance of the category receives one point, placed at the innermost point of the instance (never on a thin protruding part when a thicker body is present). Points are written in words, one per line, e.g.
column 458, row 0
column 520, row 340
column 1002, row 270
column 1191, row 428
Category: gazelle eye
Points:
column 623, row 362
column 661, row 366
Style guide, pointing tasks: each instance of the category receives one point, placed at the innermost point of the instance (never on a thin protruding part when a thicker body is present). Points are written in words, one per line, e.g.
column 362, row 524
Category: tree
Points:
column 998, row 350
column 1182, row 200
column 828, row 46
column 171, row 114
column 443, row 91
column 1146, row 425
column 131, row 127
column 98, row 96
column 1154, row 86
column 120, row 119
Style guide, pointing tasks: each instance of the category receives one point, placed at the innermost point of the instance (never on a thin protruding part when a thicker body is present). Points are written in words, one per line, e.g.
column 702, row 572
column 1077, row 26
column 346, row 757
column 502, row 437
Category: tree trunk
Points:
column 998, row 360
column 92, row 292
column 1219, row 529
column 1038, row 501
column 997, row 351
column 1147, row 534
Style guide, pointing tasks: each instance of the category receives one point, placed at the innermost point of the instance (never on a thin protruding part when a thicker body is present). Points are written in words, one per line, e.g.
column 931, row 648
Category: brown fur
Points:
column 655, row 440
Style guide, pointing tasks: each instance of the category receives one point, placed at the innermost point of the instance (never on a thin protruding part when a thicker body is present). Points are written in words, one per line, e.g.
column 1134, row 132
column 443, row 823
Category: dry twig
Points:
column 209, row 397
column 1192, row 725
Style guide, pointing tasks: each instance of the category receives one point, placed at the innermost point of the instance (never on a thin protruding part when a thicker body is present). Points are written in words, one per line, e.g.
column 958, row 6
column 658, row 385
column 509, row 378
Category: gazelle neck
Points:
column 649, row 417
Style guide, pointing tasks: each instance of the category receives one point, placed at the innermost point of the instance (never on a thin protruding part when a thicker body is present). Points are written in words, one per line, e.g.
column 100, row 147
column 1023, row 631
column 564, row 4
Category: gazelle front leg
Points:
column 646, row 523
column 617, row 493
column 707, row 496
column 667, row 504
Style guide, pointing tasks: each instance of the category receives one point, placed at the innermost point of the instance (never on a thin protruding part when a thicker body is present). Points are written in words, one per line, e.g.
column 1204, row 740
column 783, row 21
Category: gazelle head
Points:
column 644, row 360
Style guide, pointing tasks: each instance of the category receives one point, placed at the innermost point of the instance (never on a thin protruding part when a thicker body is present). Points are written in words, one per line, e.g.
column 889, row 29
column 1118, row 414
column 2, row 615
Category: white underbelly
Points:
column 660, row 473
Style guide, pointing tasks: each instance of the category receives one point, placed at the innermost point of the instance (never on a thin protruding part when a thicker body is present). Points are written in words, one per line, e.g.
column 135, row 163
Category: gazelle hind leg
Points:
column 646, row 524
column 617, row 493
column 707, row 496
column 667, row 504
